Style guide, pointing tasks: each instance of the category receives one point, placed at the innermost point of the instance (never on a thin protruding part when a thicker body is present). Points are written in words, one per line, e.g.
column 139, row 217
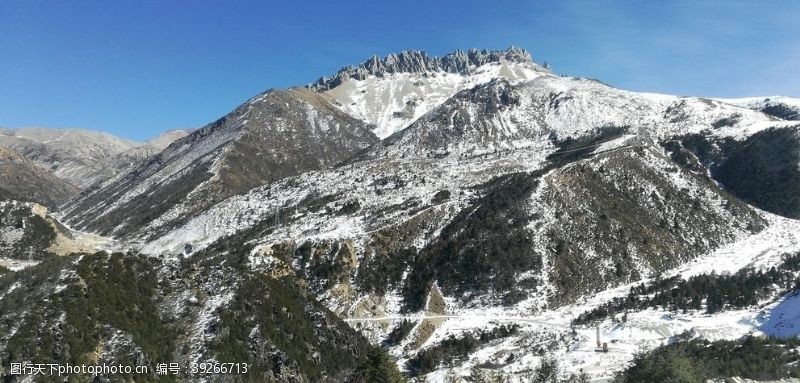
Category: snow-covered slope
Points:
column 276, row 134
column 391, row 96
column 499, row 116
column 492, row 129
column 783, row 107
column 575, row 346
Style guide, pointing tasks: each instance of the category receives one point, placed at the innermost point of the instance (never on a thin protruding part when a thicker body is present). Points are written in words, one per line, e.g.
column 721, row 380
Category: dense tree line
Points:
column 381, row 269
column 377, row 367
column 548, row 371
column 482, row 249
column 295, row 334
column 697, row 361
column 760, row 170
column 399, row 333
column 115, row 292
column 712, row 292
column 453, row 349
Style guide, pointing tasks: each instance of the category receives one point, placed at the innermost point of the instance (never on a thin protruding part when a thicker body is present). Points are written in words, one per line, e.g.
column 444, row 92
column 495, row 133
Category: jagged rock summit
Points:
column 416, row 61
column 393, row 92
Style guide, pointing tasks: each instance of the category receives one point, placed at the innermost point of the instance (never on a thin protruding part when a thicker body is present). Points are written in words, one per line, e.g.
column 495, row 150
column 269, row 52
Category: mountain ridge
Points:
column 22, row 179
column 82, row 157
column 275, row 134
column 417, row 61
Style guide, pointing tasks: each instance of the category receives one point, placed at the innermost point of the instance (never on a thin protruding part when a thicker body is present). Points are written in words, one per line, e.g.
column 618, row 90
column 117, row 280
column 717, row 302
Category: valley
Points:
column 431, row 218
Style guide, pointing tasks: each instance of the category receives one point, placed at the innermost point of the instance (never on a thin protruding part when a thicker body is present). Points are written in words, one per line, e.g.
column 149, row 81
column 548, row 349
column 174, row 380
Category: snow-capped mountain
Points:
column 283, row 133
column 514, row 199
column 498, row 123
column 471, row 212
column 785, row 108
column 393, row 92
column 82, row 157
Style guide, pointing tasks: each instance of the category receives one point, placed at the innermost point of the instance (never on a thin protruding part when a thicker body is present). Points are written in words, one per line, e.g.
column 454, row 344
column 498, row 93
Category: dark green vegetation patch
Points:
column 696, row 361
column 314, row 343
column 761, row 170
column 112, row 292
column 453, row 349
column 484, row 248
column 713, row 291
column 37, row 233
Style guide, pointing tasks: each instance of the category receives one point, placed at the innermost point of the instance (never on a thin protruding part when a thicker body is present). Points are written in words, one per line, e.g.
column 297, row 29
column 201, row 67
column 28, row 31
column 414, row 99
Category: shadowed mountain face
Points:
column 274, row 135
column 763, row 169
column 22, row 179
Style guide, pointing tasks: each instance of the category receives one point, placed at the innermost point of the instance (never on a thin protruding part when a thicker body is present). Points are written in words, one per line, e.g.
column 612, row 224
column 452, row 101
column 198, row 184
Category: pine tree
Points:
column 547, row 372
column 377, row 367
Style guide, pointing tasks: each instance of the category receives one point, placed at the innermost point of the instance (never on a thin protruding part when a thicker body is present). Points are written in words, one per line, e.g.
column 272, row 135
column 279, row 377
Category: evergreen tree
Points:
column 377, row 367
column 479, row 375
column 578, row 378
column 547, row 372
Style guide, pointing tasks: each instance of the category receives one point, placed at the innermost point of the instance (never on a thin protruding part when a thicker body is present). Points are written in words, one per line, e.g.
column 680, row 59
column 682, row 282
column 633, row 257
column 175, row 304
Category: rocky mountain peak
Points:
column 415, row 61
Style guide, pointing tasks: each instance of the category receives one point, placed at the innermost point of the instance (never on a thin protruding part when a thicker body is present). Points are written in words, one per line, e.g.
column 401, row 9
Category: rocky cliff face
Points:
column 458, row 62
column 395, row 91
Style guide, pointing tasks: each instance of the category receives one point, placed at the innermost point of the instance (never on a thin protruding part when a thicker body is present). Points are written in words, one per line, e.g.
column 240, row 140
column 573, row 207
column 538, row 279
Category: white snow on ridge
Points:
column 577, row 106
column 421, row 180
column 396, row 100
column 760, row 102
column 520, row 135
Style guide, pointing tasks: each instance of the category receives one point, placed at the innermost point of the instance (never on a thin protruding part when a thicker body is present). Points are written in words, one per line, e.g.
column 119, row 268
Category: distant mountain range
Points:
column 79, row 158
column 472, row 216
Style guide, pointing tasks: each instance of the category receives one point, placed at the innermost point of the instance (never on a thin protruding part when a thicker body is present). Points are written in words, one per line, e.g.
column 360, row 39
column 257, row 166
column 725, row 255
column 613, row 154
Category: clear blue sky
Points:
column 136, row 68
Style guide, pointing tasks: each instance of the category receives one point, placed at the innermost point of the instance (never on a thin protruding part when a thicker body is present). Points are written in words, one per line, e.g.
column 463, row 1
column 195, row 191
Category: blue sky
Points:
column 136, row 68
